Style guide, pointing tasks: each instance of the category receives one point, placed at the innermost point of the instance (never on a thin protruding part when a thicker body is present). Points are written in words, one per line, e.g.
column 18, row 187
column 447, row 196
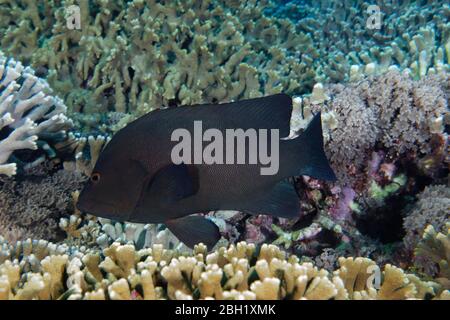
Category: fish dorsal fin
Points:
column 194, row 229
column 173, row 183
column 270, row 112
column 280, row 201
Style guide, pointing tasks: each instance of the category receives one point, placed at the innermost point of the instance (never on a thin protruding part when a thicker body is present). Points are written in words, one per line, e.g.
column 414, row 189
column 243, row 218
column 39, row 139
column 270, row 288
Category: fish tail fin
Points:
column 305, row 154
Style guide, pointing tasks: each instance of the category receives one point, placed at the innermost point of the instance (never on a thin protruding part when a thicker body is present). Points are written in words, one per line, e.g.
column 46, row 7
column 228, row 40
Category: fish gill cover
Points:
column 74, row 73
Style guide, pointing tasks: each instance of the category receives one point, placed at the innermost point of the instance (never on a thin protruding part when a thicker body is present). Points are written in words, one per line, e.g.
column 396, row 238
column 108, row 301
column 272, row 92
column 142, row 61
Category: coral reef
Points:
column 180, row 52
column 32, row 207
column 250, row 55
column 391, row 113
column 241, row 271
column 434, row 248
column 30, row 118
column 80, row 153
column 92, row 232
column 383, row 95
column 432, row 208
column 411, row 34
column 386, row 138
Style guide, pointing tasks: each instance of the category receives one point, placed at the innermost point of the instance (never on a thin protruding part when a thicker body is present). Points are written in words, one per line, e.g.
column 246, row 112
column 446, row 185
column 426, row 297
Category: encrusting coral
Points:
column 30, row 118
column 241, row 271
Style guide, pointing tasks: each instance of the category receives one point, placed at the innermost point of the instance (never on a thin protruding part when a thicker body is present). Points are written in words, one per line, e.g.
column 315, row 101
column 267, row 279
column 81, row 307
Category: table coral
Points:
column 241, row 271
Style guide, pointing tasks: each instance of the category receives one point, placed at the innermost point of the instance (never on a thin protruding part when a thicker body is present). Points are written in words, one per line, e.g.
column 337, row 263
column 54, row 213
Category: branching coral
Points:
column 131, row 57
column 411, row 34
column 30, row 118
column 89, row 231
column 435, row 248
column 162, row 48
column 240, row 271
column 82, row 152
column 136, row 55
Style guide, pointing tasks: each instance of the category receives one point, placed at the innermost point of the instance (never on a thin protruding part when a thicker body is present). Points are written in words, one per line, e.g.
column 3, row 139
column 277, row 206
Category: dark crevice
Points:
column 384, row 223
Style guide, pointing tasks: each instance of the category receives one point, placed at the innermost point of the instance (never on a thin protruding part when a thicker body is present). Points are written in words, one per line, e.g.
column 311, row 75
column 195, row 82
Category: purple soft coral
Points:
column 341, row 210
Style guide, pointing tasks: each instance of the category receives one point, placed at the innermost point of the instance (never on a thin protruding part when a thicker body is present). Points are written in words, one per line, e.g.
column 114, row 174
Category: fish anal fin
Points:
column 192, row 230
column 280, row 201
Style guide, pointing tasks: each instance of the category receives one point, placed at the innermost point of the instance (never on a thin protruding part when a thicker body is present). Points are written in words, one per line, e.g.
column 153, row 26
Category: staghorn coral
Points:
column 241, row 271
column 161, row 48
column 129, row 57
column 30, row 118
column 48, row 198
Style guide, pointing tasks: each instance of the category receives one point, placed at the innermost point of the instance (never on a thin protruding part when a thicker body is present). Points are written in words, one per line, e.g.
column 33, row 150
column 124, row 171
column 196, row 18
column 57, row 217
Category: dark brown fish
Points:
column 136, row 180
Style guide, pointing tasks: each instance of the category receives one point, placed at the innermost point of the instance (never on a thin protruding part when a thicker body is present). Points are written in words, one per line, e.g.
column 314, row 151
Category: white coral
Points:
column 27, row 109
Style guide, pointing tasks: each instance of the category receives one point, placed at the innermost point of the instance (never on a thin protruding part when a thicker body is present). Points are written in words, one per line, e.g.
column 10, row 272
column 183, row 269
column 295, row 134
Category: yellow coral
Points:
column 236, row 272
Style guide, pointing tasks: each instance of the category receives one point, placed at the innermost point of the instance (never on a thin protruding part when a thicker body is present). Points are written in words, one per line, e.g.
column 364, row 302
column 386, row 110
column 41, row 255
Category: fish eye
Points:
column 95, row 177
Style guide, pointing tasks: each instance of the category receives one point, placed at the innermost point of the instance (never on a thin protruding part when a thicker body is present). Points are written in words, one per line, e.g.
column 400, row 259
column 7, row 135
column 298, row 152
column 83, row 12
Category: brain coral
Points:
column 30, row 118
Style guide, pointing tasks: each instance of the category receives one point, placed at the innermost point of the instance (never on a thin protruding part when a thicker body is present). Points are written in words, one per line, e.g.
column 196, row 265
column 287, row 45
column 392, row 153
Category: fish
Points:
column 135, row 178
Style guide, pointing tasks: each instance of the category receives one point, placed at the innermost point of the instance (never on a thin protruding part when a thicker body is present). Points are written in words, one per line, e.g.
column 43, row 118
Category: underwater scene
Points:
column 224, row 149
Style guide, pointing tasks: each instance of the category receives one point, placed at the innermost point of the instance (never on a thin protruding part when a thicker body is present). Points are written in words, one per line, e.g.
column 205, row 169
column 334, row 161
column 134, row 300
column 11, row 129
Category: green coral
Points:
column 380, row 193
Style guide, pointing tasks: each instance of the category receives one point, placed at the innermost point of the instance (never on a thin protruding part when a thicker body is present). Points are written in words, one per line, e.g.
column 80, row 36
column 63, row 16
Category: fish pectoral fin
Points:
column 280, row 201
column 173, row 183
column 192, row 230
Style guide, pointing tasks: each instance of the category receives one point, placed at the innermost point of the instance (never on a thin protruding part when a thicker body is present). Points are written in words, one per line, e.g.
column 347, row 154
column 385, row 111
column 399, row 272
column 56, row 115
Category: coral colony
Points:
column 73, row 73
